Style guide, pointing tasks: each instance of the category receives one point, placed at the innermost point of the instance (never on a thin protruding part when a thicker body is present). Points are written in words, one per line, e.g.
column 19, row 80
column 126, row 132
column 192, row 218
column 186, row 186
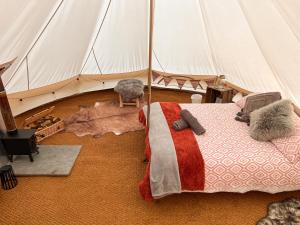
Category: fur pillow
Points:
column 272, row 121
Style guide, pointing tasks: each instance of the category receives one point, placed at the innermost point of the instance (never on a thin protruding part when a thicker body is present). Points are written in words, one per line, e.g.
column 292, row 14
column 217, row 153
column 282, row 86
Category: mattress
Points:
column 233, row 161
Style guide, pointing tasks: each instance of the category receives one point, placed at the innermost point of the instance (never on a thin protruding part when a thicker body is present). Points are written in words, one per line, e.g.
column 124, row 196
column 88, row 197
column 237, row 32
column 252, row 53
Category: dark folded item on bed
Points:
column 192, row 122
column 180, row 124
column 241, row 117
column 255, row 102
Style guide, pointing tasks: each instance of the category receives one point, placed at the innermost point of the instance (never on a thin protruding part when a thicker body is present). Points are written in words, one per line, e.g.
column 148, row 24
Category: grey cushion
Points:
column 272, row 121
column 192, row 122
column 256, row 102
column 180, row 124
column 130, row 89
column 260, row 100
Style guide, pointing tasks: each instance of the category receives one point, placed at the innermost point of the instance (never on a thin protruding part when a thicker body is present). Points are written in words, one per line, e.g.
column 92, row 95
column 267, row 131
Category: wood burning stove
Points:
column 21, row 142
column 15, row 141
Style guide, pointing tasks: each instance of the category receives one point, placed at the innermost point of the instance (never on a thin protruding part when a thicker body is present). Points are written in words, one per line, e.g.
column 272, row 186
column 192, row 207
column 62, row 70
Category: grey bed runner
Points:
column 164, row 172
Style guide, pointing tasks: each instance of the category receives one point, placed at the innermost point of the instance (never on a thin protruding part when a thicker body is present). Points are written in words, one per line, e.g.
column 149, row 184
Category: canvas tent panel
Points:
column 20, row 24
column 121, row 45
column 278, row 42
column 64, row 43
column 20, row 76
column 91, row 65
column 180, row 42
column 254, row 43
column 289, row 9
column 235, row 49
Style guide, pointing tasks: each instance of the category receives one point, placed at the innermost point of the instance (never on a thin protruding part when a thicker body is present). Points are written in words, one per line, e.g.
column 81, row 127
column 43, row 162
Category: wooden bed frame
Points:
column 246, row 92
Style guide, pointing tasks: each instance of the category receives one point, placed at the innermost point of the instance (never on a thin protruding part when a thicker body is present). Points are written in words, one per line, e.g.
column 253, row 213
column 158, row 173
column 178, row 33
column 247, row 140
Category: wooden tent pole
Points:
column 150, row 59
column 5, row 109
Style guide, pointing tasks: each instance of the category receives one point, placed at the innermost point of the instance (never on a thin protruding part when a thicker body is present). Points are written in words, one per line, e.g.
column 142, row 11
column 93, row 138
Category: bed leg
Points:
column 156, row 201
column 121, row 101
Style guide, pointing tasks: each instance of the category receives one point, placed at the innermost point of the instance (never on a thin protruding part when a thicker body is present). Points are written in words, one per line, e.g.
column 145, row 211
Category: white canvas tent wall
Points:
column 66, row 47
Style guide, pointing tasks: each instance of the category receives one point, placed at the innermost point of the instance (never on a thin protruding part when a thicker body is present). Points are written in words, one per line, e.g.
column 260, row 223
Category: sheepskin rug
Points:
column 103, row 117
column 286, row 212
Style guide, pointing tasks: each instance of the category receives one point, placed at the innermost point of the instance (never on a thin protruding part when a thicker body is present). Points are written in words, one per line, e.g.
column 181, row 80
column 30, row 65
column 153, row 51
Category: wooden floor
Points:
column 103, row 186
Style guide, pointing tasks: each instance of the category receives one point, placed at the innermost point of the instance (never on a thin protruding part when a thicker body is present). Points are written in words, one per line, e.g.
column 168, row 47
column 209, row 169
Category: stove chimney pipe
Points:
column 5, row 109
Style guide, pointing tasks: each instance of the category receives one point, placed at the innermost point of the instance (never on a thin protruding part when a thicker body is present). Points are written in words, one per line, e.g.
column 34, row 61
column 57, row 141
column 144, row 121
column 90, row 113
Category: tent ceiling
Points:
column 255, row 43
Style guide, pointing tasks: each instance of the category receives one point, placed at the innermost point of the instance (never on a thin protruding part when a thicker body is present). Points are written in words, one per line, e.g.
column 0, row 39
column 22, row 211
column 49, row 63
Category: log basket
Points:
column 45, row 124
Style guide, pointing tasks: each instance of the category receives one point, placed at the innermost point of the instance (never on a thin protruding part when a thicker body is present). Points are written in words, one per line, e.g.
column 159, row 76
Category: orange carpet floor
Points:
column 103, row 185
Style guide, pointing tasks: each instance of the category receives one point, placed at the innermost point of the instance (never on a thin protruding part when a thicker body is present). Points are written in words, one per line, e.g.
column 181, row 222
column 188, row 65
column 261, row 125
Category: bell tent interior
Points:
column 116, row 102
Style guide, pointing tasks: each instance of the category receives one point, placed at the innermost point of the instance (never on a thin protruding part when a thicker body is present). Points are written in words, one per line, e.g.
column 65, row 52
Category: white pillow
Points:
column 237, row 97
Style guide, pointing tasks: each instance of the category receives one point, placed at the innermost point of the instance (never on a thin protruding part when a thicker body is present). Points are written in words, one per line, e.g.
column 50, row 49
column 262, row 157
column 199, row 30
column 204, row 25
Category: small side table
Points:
column 214, row 92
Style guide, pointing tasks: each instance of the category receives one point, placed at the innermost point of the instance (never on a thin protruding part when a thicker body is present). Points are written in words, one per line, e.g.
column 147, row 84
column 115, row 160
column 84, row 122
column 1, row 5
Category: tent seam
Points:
column 27, row 70
column 154, row 53
column 96, row 37
column 34, row 43
column 96, row 61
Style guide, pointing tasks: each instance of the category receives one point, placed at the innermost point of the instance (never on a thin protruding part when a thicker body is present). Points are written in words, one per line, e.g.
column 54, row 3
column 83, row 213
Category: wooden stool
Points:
column 130, row 92
column 135, row 102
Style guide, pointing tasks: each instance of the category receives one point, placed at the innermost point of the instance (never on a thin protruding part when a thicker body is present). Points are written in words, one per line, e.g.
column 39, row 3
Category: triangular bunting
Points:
column 167, row 80
column 194, row 83
column 202, row 84
column 155, row 75
column 180, row 82
column 210, row 82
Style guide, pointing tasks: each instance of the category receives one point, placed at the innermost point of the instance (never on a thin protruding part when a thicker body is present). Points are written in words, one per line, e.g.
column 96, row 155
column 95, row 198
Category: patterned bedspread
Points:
column 233, row 161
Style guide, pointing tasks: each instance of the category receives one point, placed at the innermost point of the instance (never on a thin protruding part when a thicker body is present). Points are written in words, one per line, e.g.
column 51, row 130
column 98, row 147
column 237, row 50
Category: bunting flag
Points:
column 155, row 75
column 194, row 83
column 167, row 80
column 180, row 82
column 203, row 85
column 210, row 82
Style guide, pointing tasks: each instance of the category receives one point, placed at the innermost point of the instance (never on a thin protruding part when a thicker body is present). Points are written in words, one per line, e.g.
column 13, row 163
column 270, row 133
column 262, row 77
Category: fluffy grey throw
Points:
column 286, row 212
column 192, row 122
column 130, row 89
column 180, row 125
column 272, row 121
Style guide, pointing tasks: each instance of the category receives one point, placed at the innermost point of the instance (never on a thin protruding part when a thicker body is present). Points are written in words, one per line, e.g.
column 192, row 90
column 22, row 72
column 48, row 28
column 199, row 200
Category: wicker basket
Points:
column 46, row 131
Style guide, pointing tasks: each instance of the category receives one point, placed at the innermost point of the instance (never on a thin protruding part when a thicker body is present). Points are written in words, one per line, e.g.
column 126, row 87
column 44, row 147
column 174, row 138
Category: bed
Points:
column 224, row 159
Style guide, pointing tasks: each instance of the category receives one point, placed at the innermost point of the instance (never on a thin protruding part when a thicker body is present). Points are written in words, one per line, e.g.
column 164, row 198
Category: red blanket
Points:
column 189, row 158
